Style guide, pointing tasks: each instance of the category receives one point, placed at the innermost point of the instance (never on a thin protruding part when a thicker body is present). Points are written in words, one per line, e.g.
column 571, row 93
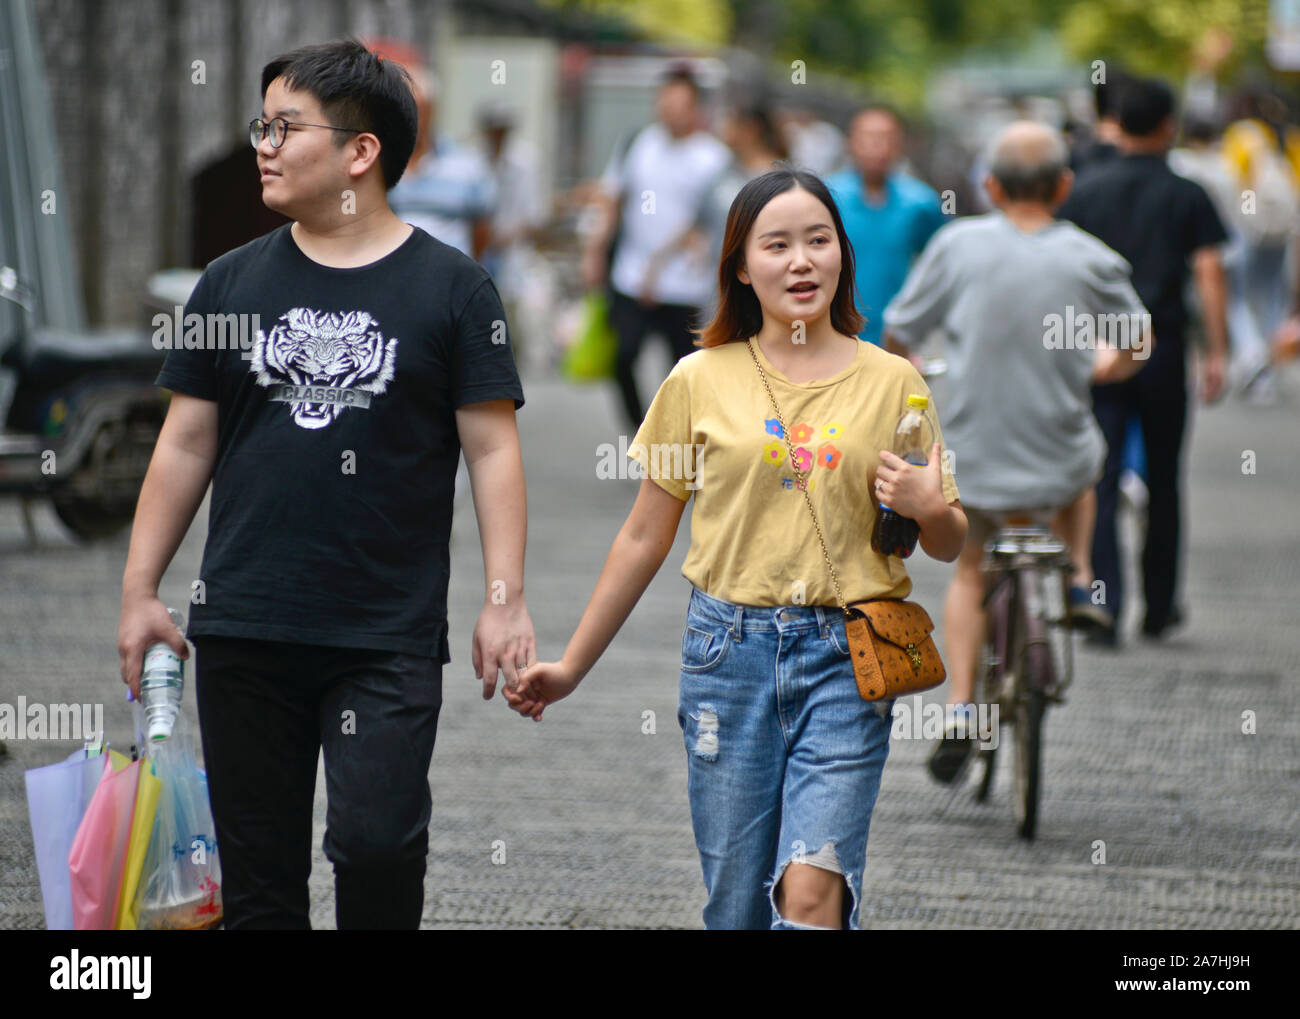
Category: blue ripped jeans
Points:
column 784, row 757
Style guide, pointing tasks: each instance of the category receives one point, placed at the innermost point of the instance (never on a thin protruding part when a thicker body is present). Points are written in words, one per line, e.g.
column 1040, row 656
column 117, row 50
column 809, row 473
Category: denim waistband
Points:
column 763, row 617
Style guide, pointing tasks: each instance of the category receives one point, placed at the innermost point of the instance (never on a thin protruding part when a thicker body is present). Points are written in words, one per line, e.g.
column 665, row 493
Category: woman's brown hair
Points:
column 739, row 315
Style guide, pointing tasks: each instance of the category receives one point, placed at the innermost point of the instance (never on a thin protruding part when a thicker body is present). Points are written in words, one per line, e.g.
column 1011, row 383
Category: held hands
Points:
column 542, row 683
column 503, row 640
column 913, row 492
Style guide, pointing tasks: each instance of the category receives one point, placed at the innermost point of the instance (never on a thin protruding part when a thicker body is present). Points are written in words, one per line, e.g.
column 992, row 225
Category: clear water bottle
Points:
column 161, row 683
column 895, row 534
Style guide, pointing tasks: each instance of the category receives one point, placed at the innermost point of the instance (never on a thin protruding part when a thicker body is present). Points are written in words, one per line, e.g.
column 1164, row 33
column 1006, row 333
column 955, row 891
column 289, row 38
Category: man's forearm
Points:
column 599, row 240
column 500, row 505
column 172, row 492
column 1212, row 290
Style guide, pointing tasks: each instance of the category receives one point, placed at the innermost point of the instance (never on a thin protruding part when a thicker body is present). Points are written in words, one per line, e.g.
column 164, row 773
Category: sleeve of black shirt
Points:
column 1203, row 225
column 193, row 371
column 483, row 361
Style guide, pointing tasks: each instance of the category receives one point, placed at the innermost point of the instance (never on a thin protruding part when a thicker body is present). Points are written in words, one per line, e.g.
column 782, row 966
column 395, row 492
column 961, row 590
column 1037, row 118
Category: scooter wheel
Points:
column 90, row 521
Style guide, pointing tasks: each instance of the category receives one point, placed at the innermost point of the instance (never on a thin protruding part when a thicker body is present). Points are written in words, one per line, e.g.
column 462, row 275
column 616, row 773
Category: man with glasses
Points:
column 319, row 617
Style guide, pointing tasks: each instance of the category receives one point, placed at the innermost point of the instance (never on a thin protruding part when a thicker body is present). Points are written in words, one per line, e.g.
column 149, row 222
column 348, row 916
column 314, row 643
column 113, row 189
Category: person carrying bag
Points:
column 785, row 751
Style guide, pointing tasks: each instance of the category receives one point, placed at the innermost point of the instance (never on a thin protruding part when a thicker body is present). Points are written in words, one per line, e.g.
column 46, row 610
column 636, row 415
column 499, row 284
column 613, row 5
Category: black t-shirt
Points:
column 337, row 451
column 1090, row 154
column 1155, row 219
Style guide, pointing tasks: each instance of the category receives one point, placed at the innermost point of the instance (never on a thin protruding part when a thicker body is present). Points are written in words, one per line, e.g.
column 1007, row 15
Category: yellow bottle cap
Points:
column 919, row 402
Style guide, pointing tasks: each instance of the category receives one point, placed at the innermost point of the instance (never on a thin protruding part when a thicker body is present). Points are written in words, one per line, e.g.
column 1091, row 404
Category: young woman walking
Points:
column 784, row 756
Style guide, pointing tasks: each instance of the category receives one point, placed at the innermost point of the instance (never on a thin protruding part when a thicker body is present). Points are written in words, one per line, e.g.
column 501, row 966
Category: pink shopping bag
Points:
column 99, row 850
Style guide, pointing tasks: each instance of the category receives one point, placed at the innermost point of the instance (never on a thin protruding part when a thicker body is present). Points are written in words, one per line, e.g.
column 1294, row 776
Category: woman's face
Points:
column 792, row 257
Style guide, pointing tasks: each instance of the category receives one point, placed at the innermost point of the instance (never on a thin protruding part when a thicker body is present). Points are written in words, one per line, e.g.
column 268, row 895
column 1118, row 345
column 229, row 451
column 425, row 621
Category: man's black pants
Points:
column 266, row 708
column 1158, row 395
column 631, row 321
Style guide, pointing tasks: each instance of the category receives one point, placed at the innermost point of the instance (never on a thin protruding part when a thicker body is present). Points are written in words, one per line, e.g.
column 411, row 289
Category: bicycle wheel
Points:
column 1029, row 708
column 991, row 689
column 986, row 780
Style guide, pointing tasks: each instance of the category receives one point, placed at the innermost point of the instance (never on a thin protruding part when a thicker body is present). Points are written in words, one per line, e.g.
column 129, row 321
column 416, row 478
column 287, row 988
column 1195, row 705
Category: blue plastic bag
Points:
column 180, row 883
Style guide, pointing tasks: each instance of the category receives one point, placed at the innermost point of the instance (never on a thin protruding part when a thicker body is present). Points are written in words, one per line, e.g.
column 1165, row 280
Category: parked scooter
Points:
column 79, row 416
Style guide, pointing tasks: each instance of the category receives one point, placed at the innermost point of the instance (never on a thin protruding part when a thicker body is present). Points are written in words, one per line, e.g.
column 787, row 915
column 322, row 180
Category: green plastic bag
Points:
column 592, row 356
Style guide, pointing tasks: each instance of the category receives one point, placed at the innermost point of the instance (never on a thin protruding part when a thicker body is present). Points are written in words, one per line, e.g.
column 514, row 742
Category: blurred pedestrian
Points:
column 1019, row 418
column 519, row 213
column 1101, row 143
column 448, row 189
column 1163, row 224
column 651, row 195
column 1094, row 148
column 1200, row 158
column 749, row 131
column 814, row 144
column 520, row 207
column 889, row 215
column 1263, row 152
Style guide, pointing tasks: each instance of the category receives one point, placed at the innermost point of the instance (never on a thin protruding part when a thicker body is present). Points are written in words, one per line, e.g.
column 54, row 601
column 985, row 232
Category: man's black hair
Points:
column 1106, row 93
column 682, row 73
column 1144, row 104
column 356, row 89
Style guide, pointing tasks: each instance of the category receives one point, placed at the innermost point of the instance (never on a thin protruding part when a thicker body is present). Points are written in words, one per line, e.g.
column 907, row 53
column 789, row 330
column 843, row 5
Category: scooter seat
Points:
column 46, row 356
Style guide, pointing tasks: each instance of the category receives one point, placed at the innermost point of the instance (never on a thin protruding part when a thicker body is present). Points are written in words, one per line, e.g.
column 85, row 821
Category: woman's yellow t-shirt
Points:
column 711, row 432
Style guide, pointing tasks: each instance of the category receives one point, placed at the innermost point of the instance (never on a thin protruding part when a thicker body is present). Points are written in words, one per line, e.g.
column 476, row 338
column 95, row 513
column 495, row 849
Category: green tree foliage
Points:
column 894, row 46
column 1163, row 36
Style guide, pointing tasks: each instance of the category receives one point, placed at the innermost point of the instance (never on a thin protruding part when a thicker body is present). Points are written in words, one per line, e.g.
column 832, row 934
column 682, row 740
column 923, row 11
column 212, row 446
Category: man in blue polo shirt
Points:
column 888, row 215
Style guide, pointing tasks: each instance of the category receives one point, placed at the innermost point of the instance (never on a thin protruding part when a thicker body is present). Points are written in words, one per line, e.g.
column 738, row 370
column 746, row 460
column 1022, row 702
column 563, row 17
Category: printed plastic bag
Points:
column 593, row 353
column 99, row 849
column 180, row 883
column 57, row 798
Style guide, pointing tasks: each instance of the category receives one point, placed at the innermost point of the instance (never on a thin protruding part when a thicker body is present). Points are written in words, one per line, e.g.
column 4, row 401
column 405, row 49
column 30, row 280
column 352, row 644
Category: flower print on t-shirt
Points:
column 828, row 456
column 807, row 457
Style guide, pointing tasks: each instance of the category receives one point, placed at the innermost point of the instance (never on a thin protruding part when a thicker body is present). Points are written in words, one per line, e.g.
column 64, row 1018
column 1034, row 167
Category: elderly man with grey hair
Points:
column 1034, row 310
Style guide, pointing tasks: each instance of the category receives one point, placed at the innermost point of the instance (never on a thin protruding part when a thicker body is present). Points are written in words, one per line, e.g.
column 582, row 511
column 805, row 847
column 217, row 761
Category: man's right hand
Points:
column 593, row 269
column 144, row 621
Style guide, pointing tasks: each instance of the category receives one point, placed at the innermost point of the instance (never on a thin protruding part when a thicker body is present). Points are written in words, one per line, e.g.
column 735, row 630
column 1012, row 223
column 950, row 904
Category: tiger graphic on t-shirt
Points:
column 323, row 362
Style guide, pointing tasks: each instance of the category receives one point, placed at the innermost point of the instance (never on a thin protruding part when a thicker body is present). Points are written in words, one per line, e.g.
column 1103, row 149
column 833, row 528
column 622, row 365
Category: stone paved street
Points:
column 1201, row 823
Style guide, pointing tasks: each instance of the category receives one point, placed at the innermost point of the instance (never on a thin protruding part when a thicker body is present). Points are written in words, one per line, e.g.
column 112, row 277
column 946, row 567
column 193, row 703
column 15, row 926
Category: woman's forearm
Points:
column 943, row 537
column 629, row 568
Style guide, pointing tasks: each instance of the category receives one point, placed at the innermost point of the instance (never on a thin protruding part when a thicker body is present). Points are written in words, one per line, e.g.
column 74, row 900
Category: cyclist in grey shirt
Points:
column 1034, row 310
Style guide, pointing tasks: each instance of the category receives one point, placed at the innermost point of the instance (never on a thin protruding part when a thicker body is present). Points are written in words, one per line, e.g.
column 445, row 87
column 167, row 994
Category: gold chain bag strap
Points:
column 890, row 640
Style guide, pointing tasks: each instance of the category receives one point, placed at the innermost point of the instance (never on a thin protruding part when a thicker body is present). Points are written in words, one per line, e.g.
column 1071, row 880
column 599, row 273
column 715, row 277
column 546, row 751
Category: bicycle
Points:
column 1028, row 659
